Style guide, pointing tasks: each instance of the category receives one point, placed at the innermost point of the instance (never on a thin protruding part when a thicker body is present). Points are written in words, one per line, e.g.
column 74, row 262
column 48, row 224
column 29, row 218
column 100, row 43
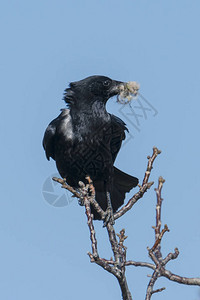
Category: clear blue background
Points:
column 44, row 46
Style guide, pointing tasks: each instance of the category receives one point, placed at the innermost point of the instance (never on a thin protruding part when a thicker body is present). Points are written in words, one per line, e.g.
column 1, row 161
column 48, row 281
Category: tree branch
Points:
column 145, row 185
column 116, row 266
column 156, row 255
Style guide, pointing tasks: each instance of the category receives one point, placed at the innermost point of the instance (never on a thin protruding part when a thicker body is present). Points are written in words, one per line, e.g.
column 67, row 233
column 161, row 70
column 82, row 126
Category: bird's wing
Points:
column 118, row 135
column 50, row 134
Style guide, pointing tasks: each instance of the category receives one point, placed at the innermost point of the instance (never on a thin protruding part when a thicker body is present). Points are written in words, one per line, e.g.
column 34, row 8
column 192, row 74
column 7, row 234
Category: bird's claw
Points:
column 108, row 217
column 81, row 201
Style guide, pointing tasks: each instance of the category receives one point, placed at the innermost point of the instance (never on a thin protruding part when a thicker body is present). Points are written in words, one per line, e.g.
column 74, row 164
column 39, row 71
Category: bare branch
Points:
column 170, row 256
column 67, row 187
column 152, row 281
column 114, row 244
column 91, row 227
column 117, row 266
column 156, row 255
column 158, row 290
column 158, row 207
column 133, row 200
column 145, row 186
column 114, row 267
column 150, row 164
column 180, row 279
column 140, row 264
column 157, row 242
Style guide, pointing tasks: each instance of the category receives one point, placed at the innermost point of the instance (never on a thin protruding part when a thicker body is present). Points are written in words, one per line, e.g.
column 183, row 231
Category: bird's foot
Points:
column 82, row 193
column 108, row 217
column 81, row 201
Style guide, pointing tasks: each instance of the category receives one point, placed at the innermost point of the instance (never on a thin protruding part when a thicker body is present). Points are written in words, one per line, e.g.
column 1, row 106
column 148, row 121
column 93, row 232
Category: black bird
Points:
column 85, row 140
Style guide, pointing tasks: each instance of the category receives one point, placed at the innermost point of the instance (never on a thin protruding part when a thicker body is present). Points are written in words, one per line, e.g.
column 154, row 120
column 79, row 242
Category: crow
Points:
column 85, row 140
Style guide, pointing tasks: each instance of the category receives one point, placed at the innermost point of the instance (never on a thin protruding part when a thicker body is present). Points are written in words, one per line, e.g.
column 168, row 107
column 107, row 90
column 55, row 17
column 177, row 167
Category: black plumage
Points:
column 85, row 140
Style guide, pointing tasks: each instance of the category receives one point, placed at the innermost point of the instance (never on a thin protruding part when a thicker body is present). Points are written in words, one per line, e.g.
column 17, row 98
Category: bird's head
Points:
column 93, row 88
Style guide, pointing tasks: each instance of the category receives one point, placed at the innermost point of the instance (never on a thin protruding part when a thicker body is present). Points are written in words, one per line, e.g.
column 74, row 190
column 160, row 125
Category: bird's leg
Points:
column 109, row 216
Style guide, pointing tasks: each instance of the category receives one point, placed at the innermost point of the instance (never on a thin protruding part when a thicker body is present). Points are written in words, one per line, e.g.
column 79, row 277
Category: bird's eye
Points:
column 106, row 82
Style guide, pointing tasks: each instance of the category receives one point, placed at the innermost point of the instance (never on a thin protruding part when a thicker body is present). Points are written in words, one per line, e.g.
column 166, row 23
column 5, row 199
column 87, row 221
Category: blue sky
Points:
column 44, row 46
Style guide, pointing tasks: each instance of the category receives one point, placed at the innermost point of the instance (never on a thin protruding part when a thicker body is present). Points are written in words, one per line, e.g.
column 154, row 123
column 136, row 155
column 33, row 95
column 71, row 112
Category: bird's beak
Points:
column 116, row 87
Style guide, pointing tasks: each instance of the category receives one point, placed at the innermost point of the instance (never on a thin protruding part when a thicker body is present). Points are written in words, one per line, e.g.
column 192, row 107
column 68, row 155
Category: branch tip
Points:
column 158, row 290
column 156, row 150
column 166, row 228
column 149, row 184
column 161, row 179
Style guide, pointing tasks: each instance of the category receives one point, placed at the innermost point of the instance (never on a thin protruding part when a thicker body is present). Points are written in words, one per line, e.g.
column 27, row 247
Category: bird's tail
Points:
column 122, row 184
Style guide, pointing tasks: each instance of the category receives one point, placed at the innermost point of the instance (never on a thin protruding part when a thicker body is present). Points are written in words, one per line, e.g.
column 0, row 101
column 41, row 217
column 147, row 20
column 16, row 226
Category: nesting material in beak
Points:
column 128, row 92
